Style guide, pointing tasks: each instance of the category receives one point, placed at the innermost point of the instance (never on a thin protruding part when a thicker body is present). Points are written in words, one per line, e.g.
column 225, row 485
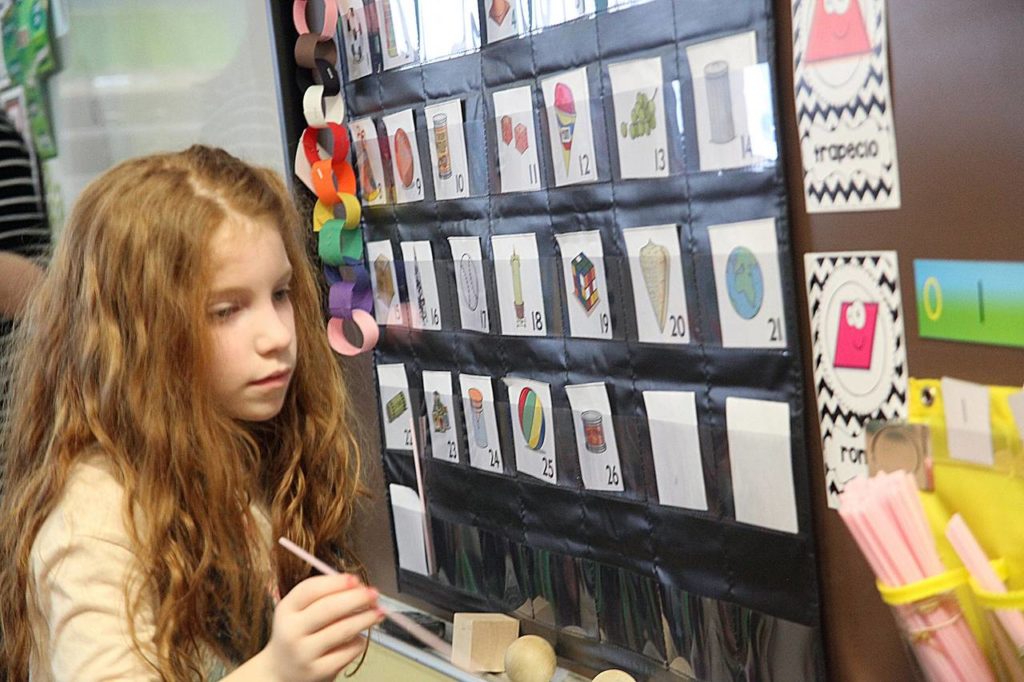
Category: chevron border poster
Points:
column 860, row 362
column 844, row 106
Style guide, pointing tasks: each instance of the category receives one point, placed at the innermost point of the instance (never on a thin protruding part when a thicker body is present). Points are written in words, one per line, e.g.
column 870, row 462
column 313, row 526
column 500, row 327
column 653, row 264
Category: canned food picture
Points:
column 593, row 431
column 444, row 157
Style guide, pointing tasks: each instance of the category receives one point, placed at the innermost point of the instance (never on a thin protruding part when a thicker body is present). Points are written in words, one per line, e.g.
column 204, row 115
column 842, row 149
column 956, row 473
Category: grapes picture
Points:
column 642, row 119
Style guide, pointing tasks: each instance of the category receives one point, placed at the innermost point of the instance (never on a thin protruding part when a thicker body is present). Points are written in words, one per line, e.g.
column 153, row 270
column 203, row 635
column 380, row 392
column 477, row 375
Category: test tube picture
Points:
column 476, row 405
column 517, row 289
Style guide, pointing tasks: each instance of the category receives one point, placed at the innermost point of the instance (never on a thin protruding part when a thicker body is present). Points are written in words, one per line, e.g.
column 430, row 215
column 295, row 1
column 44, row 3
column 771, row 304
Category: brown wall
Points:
column 957, row 72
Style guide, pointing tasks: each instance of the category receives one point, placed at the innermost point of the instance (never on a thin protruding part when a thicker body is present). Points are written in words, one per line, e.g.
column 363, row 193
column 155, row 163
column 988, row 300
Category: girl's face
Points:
column 251, row 318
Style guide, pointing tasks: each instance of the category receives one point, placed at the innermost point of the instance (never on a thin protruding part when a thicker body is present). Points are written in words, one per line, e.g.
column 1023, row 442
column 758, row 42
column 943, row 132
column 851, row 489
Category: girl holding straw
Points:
column 175, row 406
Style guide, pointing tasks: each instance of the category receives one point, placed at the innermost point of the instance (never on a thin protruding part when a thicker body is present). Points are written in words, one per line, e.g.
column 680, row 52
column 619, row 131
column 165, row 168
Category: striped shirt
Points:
column 23, row 225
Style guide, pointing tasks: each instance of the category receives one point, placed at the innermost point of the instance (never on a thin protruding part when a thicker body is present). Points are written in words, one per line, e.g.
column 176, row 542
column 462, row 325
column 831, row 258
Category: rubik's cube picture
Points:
column 584, row 282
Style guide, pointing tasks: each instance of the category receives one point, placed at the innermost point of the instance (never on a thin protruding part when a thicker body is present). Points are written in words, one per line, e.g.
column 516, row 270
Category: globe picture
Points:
column 744, row 282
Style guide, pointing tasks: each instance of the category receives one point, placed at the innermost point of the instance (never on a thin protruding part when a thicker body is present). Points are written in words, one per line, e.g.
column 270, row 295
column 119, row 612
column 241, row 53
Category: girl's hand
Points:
column 317, row 626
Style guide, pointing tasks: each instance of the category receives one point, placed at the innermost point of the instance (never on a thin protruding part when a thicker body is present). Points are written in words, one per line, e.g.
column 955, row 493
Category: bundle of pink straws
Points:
column 886, row 519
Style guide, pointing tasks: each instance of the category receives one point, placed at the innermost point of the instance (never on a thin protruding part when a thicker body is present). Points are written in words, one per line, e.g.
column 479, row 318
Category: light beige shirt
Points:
column 80, row 562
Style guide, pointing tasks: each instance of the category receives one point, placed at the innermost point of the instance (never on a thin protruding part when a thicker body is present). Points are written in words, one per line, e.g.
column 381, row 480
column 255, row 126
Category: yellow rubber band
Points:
column 998, row 600
column 922, row 589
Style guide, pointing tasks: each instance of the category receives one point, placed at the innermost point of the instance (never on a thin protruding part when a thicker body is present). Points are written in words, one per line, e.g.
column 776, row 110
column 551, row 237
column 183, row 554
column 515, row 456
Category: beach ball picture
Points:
column 531, row 419
column 745, row 282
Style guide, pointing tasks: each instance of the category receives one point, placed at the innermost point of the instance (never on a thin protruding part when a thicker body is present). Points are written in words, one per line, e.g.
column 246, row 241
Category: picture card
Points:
column 719, row 97
column 405, row 156
column 533, row 428
column 399, row 33
column 424, row 302
column 638, row 93
column 447, row 140
column 516, row 137
column 659, row 291
column 675, row 442
column 481, row 423
column 554, row 12
column 438, row 398
column 369, row 165
column 395, row 407
column 356, row 36
column 860, row 362
column 410, row 535
column 844, row 106
column 469, row 280
column 748, row 284
column 586, row 287
column 387, row 307
column 520, row 293
column 595, row 437
column 506, row 18
column 760, row 460
column 571, row 134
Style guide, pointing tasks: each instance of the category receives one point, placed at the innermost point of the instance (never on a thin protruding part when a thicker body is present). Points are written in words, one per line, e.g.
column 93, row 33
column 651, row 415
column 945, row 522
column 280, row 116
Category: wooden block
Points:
column 479, row 640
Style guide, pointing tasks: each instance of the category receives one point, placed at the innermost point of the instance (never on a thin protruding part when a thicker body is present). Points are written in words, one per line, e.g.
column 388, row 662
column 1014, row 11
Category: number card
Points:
column 520, row 294
column 395, row 407
column 748, row 284
column 369, row 165
column 761, row 463
column 659, row 292
column 424, row 303
column 595, row 437
column 469, row 279
column 352, row 16
column 675, row 442
column 405, row 157
column 399, row 38
column 387, row 307
column 554, row 12
column 447, row 141
column 586, row 287
column 533, row 428
column 639, row 100
column 567, row 102
column 718, row 68
column 481, row 423
column 505, row 19
column 440, row 405
column 517, row 141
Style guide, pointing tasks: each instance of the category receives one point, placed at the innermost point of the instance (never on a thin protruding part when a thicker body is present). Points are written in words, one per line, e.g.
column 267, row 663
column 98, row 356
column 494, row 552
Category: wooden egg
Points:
column 530, row 659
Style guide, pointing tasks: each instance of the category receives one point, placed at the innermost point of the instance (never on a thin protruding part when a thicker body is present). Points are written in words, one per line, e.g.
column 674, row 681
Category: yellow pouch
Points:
column 990, row 499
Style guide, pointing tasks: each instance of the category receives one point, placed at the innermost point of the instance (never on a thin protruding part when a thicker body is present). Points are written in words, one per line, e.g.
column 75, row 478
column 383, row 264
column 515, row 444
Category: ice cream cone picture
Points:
column 565, row 112
column 570, row 129
column 654, row 265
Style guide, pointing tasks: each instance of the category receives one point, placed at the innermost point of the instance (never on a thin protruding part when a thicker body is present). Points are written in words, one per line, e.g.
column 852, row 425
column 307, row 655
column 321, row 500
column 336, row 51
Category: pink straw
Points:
column 976, row 561
column 886, row 519
column 413, row 628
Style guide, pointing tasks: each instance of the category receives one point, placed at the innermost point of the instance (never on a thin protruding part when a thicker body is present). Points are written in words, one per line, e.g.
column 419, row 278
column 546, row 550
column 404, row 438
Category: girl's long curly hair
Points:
column 112, row 357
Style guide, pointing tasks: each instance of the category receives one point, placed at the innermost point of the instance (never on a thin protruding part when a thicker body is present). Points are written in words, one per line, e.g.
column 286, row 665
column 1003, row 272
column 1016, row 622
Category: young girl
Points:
column 175, row 407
